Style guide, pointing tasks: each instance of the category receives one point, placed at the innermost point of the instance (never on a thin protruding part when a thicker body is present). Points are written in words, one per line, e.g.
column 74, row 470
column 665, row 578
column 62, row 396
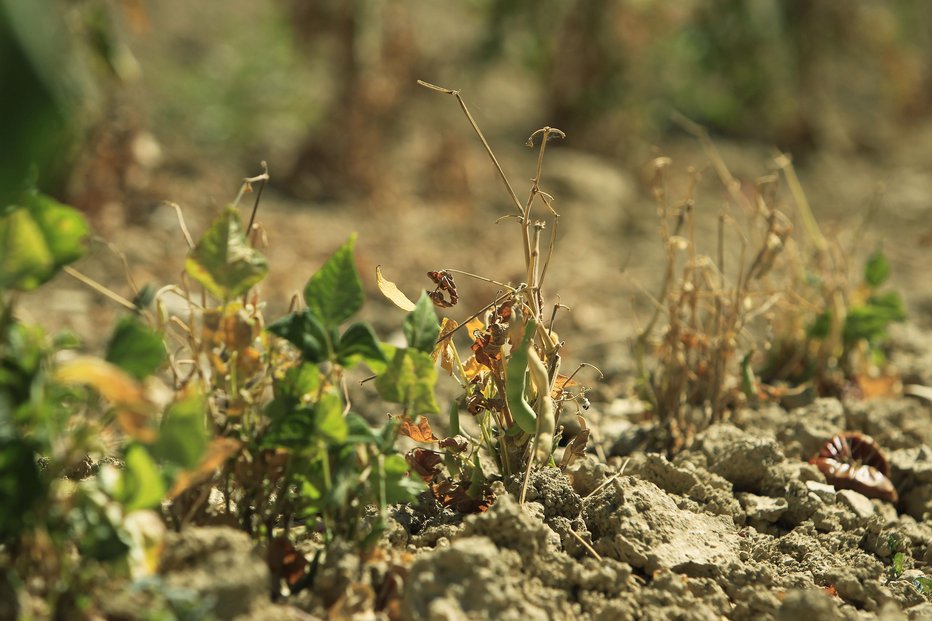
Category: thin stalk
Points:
column 485, row 143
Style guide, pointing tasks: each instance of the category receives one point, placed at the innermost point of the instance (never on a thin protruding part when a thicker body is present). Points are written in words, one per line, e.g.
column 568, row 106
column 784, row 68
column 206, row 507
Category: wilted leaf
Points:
column 425, row 463
column 334, row 293
column 473, row 368
column 286, row 563
column 455, row 444
column 392, row 292
column 134, row 412
column 110, row 381
column 421, row 327
column 577, row 446
column 879, row 387
column 561, row 383
column 444, row 348
column 223, row 261
column 218, row 451
column 421, row 432
column 38, row 237
column 135, row 348
column 474, row 324
column 455, row 496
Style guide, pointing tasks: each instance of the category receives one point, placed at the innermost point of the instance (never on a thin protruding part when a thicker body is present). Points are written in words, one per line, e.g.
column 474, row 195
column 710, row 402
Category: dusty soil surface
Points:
column 738, row 527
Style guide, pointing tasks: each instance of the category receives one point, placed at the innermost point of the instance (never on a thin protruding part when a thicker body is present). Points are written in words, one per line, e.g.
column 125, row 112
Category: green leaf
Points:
column 409, row 380
column 183, row 437
column 145, row 297
column 923, row 584
column 328, row 416
column 21, row 486
column 454, row 418
column 359, row 343
column 141, row 485
column 334, row 293
column 820, row 326
column 516, row 382
column 393, row 480
column 292, row 428
column 870, row 322
column 297, row 382
column 95, row 529
column 223, row 261
column 37, row 238
column 877, row 270
column 135, row 348
column 304, row 331
column 898, row 563
column 421, row 327
column 360, row 431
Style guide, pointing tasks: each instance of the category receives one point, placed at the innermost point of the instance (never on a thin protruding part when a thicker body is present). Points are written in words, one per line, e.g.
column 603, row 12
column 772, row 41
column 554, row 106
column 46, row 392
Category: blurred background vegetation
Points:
column 114, row 100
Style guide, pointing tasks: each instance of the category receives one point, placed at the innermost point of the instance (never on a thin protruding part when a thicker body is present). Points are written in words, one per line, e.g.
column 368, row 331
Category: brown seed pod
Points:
column 854, row 461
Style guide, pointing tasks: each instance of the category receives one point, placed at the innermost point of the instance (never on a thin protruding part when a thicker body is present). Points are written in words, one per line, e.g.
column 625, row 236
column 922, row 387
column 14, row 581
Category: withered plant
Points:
column 511, row 381
column 782, row 318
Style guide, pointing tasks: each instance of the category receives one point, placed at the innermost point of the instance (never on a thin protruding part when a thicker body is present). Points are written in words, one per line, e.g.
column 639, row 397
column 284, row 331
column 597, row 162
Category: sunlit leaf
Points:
column 328, row 415
column 38, row 237
column 223, row 261
column 409, row 380
column 298, row 381
column 334, row 293
column 141, row 485
column 392, row 292
column 183, row 437
column 421, row 328
column 110, row 381
column 135, row 348
column 134, row 412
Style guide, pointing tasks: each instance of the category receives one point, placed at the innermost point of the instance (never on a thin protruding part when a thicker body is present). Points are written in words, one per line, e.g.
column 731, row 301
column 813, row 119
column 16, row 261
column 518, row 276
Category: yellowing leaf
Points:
column 392, row 292
column 110, row 381
column 474, row 324
column 473, row 367
column 444, row 349
column 133, row 411
column 217, row 452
